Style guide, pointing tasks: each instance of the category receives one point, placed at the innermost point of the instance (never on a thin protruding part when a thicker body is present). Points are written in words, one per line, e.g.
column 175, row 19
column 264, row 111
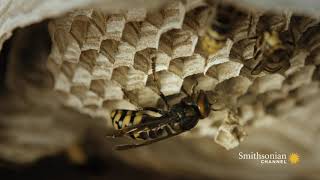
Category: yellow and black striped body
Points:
column 153, row 125
column 273, row 54
column 126, row 118
column 212, row 41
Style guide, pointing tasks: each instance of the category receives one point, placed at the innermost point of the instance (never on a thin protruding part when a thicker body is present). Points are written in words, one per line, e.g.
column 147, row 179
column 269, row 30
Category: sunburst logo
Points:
column 294, row 158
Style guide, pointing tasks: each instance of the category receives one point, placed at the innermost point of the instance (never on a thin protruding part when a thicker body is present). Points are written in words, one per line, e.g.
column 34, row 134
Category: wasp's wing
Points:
column 131, row 146
column 154, row 122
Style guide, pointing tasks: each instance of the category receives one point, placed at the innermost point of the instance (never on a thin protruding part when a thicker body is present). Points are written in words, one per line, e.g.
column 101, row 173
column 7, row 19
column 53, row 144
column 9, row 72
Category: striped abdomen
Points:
column 126, row 118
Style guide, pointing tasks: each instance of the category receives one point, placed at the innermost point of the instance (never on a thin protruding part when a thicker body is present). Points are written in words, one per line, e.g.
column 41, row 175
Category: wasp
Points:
column 222, row 23
column 153, row 124
column 274, row 45
column 273, row 54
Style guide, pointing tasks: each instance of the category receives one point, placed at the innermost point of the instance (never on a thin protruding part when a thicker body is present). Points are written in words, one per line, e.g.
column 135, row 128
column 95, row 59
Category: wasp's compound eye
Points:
column 203, row 105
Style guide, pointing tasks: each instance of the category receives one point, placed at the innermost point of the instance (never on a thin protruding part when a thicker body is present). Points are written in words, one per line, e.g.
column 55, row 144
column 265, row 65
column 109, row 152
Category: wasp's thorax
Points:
column 190, row 111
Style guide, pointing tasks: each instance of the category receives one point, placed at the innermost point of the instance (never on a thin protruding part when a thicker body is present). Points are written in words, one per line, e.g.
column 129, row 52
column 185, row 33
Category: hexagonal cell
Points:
column 271, row 96
column 169, row 82
column 281, row 106
column 102, row 70
column 119, row 104
column 201, row 81
column 121, row 53
column 99, row 19
column 143, row 62
column 88, row 59
column 246, row 27
column 129, row 78
column 82, row 76
column 301, row 24
column 225, row 70
column 86, row 33
column 135, row 14
column 141, row 35
column 247, row 98
column 68, row 69
column 310, row 38
column 108, row 90
column 114, row 26
column 246, row 114
column 204, row 129
column 96, row 17
column 227, row 92
column 178, row 43
column 97, row 63
column 70, row 99
column 68, row 48
column 62, row 83
column 245, row 71
column 235, row 86
column 297, row 62
column 305, row 91
column 125, row 55
column 275, row 21
column 229, row 136
column 187, row 66
column 171, row 17
column 63, row 23
column 299, row 78
column 219, row 57
column 145, row 97
column 87, row 97
column 313, row 57
column 251, row 114
column 267, row 83
column 197, row 19
column 242, row 51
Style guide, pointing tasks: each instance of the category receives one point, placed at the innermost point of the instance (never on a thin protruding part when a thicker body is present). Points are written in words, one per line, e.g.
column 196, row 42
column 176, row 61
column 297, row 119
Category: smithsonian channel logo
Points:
column 271, row 158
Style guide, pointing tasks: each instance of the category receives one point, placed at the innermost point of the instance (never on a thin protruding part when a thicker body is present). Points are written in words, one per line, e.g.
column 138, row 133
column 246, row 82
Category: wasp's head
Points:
column 203, row 105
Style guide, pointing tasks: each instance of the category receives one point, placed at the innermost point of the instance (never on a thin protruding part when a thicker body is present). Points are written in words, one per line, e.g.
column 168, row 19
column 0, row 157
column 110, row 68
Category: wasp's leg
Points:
column 131, row 146
column 257, row 53
column 257, row 50
column 258, row 68
column 195, row 85
column 193, row 89
column 156, row 80
column 184, row 91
